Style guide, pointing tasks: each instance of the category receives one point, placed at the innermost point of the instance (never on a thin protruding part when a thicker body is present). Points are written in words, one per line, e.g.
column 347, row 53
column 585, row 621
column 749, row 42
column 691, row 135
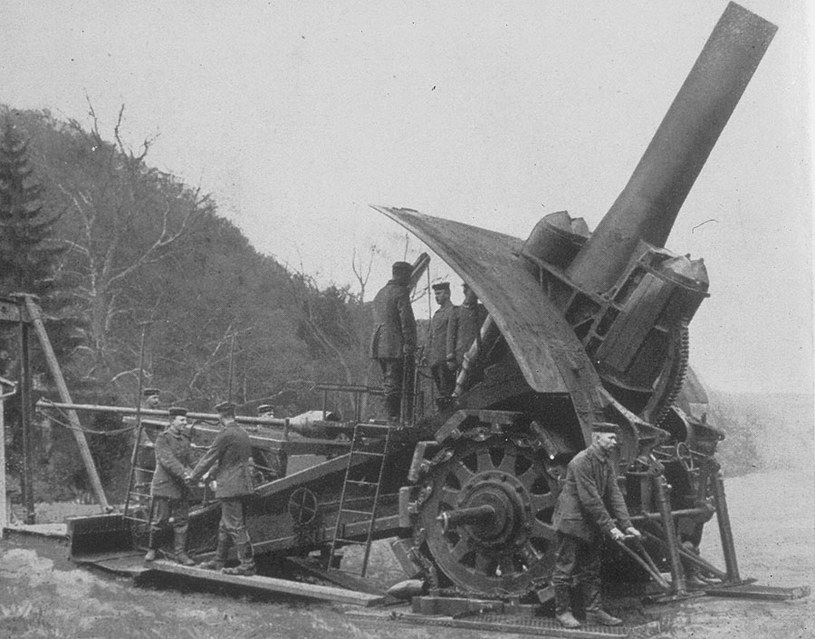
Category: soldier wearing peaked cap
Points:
column 151, row 398
column 443, row 377
column 393, row 341
column 169, row 486
column 270, row 464
column 588, row 505
column 231, row 454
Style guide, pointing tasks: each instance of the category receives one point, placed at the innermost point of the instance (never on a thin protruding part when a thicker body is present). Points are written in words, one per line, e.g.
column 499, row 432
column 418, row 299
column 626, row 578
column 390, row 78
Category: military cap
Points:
column 225, row 408
column 605, row 427
column 265, row 408
column 177, row 411
column 441, row 286
column 149, row 392
column 400, row 268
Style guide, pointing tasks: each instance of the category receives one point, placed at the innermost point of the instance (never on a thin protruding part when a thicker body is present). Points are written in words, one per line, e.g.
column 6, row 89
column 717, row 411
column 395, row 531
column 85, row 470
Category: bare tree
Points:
column 362, row 271
column 126, row 217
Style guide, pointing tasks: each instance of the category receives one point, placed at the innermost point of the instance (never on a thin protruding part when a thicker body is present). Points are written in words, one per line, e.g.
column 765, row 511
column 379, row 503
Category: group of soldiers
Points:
column 590, row 505
column 452, row 331
column 228, row 463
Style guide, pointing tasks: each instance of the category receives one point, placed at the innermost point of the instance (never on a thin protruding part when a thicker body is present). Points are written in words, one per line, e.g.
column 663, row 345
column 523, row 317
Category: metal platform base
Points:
column 517, row 624
column 764, row 593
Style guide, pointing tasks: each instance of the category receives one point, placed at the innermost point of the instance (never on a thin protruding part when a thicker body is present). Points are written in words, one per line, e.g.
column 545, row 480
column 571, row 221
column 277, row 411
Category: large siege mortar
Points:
column 582, row 327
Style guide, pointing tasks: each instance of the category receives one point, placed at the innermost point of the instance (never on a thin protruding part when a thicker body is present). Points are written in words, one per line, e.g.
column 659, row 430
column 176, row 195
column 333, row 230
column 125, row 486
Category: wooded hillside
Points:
column 121, row 248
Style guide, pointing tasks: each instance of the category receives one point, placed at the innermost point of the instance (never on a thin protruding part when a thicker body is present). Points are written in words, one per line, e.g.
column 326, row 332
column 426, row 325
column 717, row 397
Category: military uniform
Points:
column 270, row 465
column 588, row 499
column 443, row 377
column 231, row 450
column 169, row 491
column 463, row 328
column 394, row 337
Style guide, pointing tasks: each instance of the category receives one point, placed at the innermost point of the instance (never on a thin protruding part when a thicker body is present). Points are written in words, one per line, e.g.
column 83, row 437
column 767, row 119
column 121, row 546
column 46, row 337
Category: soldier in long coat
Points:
column 464, row 327
column 393, row 341
column 587, row 507
column 169, row 491
column 436, row 351
column 231, row 450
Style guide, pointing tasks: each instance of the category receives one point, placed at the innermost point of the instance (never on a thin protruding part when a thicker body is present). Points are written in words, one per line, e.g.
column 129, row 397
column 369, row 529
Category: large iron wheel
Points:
column 487, row 522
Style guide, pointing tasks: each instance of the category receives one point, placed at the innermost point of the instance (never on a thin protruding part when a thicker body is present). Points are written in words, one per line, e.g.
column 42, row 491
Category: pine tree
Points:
column 27, row 254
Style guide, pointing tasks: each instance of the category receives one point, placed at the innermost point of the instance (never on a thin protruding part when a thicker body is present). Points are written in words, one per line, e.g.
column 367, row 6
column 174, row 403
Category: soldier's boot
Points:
column 151, row 547
column 593, row 600
column 180, row 547
column 563, row 607
column 220, row 554
column 247, row 559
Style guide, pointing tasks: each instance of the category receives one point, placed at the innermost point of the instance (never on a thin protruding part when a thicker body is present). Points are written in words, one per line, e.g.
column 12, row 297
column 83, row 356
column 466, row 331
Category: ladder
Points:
column 357, row 486
column 137, row 505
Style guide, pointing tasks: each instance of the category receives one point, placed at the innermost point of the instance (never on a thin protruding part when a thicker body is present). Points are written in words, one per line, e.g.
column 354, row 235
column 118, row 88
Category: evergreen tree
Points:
column 29, row 257
column 27, row 254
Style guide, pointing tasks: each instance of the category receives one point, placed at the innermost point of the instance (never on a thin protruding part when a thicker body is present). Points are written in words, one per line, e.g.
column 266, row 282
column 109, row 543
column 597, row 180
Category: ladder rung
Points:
column 360, row 482
column 351, row 511
column 366, row 453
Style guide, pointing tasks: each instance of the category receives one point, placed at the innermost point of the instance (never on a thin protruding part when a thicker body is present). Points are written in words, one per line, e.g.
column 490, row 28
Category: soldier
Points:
column 444, row 378
column 231, row 450
column 272, row 463
column 464, row 327
column 394, row 338
column 169, row 489
column 581, row 518
column 151, row 398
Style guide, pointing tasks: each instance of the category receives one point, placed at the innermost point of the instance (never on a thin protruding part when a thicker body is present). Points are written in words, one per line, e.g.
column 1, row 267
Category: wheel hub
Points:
column 496, row 490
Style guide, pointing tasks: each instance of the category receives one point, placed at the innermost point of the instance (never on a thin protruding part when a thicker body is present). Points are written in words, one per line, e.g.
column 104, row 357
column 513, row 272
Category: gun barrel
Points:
column 157, row 412
column 647, row 207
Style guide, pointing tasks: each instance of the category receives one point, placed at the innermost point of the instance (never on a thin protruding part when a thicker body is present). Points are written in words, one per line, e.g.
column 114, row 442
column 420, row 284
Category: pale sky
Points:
column 298, row 115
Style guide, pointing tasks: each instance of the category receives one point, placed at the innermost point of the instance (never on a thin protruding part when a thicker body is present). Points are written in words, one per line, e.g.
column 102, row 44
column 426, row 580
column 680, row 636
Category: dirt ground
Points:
column 42, row 594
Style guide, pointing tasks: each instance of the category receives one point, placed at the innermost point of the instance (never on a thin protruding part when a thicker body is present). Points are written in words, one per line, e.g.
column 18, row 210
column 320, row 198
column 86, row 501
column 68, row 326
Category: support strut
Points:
column 661, row 492
column 726, row 532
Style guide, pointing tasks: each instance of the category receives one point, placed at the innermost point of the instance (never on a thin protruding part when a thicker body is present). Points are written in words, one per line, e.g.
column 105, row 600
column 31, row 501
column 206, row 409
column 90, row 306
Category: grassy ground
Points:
column 42, row 594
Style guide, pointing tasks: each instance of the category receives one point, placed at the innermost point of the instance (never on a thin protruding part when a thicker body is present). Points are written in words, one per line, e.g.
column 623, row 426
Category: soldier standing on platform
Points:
column 169, row 488
column 393, row 342
column 436, row 353
column 271, row 464
column 583, row 516
column 464, row 327
column 231, row 450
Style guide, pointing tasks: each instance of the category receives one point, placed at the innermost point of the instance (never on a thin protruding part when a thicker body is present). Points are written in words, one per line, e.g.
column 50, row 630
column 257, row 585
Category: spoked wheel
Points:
column 487, row 522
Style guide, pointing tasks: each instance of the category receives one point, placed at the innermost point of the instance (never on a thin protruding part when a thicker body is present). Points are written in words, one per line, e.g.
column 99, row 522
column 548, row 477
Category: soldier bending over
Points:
column 581, row 519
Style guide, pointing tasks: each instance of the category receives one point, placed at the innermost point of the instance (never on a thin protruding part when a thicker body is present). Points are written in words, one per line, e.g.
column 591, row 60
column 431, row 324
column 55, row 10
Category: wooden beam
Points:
column 56, row 372
column 272, row 584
